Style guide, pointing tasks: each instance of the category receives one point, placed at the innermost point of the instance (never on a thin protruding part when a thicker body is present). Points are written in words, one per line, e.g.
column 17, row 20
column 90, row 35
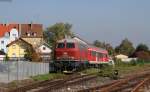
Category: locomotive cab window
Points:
column 60, row 45
column 70, row 45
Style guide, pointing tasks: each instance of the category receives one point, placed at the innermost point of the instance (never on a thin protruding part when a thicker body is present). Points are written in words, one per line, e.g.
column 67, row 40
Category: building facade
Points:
column 2, row 56
column 8, row 33
column 31, row 33
column 18, row 49
column 44, row 51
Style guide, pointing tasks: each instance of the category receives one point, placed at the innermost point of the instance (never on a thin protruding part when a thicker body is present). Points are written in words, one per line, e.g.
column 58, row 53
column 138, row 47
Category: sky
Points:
column 104, row 20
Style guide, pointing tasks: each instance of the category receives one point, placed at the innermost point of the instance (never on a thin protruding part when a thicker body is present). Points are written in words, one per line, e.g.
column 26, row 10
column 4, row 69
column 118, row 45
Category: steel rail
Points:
column 141, row 84
column 65, row 83
column 40, row 84
column 121, row 84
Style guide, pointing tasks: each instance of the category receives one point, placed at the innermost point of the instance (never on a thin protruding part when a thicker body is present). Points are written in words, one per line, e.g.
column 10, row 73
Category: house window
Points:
column 2, row 50
column 44, row 48
column 28, row 34
column 13, row 55
column 14, row 35
column 34, row 34
column 2, row 42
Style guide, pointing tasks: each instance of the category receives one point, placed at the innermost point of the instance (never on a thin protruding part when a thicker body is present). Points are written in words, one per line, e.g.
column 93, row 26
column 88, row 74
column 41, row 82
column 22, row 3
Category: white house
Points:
column 14, row 34
column 8, row 37
column 4, row 41
column 121, row 56
column 44, row 51
column 124, row 58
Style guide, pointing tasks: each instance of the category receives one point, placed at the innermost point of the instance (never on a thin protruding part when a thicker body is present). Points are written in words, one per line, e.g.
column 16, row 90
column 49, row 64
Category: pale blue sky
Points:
column 104, row 20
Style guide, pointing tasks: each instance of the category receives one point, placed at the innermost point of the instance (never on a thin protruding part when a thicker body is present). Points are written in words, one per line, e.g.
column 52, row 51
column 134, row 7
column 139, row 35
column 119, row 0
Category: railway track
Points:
column 40, row 84
column 134, row 83
column 142, row 86
column 64, row 83
column 46, row 86
column 131, row 83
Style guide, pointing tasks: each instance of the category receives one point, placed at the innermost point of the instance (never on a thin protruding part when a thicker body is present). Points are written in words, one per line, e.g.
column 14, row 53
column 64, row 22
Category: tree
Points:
column 126, row 47
column 28, row 53
column 142, row 52
column 6, row 57
column 36, row 57
column 142, row 47
column 142, row 55
column 109, row 48
column 97, row 43
column 57, row 32
column 104, row 45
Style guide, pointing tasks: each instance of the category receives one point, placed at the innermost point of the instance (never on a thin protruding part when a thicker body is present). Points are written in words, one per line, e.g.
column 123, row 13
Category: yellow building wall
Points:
column 15, row 50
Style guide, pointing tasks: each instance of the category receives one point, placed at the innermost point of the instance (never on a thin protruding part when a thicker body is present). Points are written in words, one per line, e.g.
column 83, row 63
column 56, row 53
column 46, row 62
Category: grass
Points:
column 123, row 68
column 48, row 76
column 129, row 67
column 90, row 71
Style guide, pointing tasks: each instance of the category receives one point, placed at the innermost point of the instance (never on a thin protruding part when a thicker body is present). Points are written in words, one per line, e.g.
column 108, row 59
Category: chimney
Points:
column 31, row 25
column 19, row 30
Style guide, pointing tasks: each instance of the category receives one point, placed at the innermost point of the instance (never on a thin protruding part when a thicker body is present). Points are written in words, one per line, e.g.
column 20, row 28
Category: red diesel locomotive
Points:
column 74, row 53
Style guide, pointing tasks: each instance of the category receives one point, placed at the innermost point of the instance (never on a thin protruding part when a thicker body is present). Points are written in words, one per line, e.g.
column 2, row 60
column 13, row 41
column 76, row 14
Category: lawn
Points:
column 48, row 76
column 123, row 68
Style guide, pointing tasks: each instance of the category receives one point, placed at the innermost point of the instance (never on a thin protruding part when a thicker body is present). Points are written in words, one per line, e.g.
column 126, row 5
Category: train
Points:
column 74, row 53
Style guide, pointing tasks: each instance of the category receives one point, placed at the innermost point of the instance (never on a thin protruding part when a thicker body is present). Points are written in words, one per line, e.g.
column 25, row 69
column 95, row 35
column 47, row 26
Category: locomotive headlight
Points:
column 58, row 57
column 72, row 57
column 65, row 53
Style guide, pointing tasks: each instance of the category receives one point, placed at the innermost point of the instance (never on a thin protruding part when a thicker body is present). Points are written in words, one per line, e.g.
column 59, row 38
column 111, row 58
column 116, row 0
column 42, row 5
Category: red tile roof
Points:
column 24, row 28
column 6, row 28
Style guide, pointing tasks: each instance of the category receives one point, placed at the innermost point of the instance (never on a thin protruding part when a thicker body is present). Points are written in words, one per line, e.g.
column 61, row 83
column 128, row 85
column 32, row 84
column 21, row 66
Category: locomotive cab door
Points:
column 96, row 57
